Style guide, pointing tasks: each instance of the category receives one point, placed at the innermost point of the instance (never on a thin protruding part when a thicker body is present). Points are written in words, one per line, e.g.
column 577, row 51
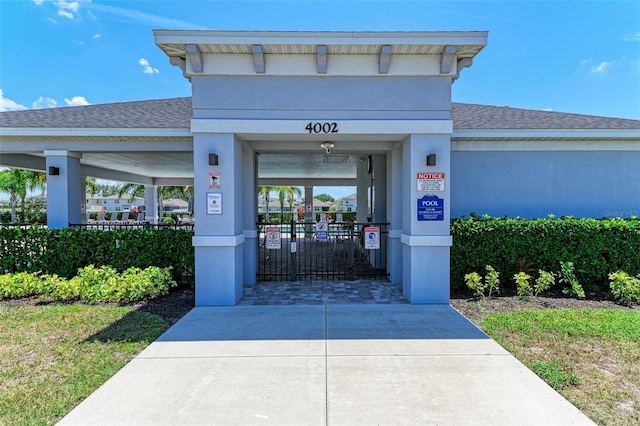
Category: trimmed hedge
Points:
column 63, row 251
column 597, row 247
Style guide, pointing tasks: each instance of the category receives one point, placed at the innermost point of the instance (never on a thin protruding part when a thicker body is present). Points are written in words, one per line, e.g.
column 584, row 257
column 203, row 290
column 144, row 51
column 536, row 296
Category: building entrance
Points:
column 328, row 251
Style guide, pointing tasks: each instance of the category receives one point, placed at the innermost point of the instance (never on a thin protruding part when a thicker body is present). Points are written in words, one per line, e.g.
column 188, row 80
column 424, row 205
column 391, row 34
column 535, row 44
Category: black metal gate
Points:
column 320, row 251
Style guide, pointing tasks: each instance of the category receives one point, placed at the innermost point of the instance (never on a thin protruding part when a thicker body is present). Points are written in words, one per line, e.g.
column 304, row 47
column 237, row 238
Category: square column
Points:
column 151, row 204
column 64, row 189
column 394, row 213
column 426, row 239
column 218, row 206
column 250, row 215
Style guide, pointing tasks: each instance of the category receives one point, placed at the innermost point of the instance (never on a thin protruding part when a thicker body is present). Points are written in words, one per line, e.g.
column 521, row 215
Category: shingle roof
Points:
column 176, row 113
column 172, row 113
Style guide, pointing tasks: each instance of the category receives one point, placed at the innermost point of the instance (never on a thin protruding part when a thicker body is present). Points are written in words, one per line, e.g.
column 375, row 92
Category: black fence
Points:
column 115, row 226
column 322, row 251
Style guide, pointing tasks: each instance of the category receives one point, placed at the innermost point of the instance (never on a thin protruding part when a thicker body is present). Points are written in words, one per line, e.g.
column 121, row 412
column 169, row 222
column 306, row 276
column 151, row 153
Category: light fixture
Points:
column 431, row 160
column 54, row 171
column 327, row 147
column 213, row 159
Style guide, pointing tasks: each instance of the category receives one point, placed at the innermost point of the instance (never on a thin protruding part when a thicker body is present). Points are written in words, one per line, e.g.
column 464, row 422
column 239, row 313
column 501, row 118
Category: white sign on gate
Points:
column 322, row 231
column 372, row 238
column 274, row 242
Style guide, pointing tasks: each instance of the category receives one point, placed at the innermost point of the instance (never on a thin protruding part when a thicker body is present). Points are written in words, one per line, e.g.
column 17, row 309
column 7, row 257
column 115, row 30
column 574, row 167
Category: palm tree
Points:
column 136, row 190
column 91, row 186
column 17, row 183
column 291, row 192
column 266, row 192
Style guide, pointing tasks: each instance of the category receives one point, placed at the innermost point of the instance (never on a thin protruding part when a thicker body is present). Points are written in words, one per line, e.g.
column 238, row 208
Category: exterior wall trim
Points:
column 427, row 240
column 222, row 241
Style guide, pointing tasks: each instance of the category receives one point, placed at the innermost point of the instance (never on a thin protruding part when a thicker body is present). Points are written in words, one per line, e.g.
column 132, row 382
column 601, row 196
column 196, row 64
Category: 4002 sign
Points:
column 318, row 127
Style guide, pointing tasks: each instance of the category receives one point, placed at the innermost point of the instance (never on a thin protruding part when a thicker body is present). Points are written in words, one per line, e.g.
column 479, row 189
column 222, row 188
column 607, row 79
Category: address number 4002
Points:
column 322, row 127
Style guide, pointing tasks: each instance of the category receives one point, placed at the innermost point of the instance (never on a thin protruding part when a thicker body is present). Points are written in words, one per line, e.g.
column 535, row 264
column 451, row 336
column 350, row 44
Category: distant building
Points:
column 347, row 204
column 112, row 203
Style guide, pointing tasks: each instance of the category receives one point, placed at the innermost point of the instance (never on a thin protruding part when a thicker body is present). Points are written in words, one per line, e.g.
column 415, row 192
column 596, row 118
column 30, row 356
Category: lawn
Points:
column 590, row 356
column 53, row 356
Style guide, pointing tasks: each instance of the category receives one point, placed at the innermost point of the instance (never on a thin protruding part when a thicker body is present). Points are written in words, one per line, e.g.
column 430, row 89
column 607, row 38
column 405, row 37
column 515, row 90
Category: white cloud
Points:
column 76, row 101
column 632, row 37
column 585, row 61
column 602, row 67
column 97, row 35
column 547, row 109
column 143, row 18
column 147, row 68
column 7, row 104
column 65, row 14
column 43, row 102
column 66, row 9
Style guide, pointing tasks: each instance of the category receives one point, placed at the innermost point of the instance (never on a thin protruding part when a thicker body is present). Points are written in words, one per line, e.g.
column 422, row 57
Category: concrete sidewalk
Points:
column 325, row 365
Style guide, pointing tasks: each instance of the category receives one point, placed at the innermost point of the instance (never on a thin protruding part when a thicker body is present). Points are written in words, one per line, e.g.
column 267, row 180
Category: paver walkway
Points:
column 358, row 292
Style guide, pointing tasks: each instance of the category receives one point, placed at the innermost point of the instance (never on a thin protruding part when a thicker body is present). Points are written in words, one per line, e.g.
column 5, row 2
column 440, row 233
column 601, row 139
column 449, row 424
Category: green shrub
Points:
column 22, row 284
column 64, row 251
column 624, row 287
column 567, row 276
column 595, row 246
column 474, row 282
column 523, row 285
column 93, row 285
column 492, row 279
column 544, row 282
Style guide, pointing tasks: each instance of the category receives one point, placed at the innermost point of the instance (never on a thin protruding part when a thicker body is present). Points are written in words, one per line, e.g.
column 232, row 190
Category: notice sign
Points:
column 430, row 182
column 214, row 203
column 322, row 231
column 274, row 242
column 430, row 207
column 372, row 238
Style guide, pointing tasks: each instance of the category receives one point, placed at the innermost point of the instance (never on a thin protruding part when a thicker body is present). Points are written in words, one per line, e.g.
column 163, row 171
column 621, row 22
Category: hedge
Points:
column 597, row 247
column 64, row 251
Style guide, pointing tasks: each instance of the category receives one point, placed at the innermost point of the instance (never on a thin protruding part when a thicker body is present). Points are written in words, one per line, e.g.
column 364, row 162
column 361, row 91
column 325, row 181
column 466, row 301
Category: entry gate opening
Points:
column 322, row 251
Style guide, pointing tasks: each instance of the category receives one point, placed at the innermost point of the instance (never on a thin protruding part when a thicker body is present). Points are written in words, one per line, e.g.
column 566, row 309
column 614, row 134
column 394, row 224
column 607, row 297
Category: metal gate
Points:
column 321, row 251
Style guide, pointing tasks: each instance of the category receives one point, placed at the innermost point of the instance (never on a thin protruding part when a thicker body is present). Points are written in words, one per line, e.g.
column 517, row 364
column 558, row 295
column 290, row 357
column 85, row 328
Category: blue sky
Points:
column 571, row 56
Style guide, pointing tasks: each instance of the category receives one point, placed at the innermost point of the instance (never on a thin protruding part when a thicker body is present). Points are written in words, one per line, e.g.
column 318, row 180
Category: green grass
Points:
column 590, row 356
column 54, row 356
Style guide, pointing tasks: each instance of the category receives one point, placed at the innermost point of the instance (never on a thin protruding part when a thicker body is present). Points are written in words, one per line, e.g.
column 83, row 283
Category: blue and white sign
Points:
column 322, row 231
column 430, row 208
column 372, row 238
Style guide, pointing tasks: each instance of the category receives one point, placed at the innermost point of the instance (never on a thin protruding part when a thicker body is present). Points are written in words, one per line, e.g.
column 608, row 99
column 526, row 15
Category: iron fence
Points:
column 321, row 251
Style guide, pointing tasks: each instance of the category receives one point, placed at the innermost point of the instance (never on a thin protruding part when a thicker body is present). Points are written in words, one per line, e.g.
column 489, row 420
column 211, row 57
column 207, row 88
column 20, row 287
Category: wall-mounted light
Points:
column 431, row 160
column 54, row 171
column 213, row 159
column 327, row 146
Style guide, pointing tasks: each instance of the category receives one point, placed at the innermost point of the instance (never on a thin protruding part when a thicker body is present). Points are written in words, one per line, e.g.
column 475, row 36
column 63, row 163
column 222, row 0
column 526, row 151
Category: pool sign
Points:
column 430, row 208
column 322, row 231
column 372, row 238
column 430, row 182
column 274, row 242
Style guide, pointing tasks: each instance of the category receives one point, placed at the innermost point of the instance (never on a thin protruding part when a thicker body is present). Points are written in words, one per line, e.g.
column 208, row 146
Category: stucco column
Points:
column 363, row 182
column 151, row 203
column 425, row 238
column 64, row 189
column 250, row 215
column 308, row 204
column 394, row 213
column 219, row 202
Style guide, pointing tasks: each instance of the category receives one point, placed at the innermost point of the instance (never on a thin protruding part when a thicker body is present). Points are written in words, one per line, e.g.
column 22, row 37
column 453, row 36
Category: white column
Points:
column 250, row 215
column 218, row 209
column 363, row 181
column 151, row 204
column 426, row 243
column 64, row 190
column 394, row 214
column 308, row 204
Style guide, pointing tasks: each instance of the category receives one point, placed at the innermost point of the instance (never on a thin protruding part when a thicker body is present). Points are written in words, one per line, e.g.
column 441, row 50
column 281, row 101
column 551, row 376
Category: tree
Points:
column 266, row 192
column 325, row 198
column 164, row 192
column 17, row 183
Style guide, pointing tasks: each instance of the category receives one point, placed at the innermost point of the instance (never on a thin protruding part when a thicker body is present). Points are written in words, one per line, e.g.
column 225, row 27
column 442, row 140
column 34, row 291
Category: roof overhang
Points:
column 442, row 53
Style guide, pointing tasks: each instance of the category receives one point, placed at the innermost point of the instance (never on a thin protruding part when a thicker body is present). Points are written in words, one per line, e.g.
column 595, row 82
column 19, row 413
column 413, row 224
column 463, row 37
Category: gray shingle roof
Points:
column 172, row 113
column 176, row 113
